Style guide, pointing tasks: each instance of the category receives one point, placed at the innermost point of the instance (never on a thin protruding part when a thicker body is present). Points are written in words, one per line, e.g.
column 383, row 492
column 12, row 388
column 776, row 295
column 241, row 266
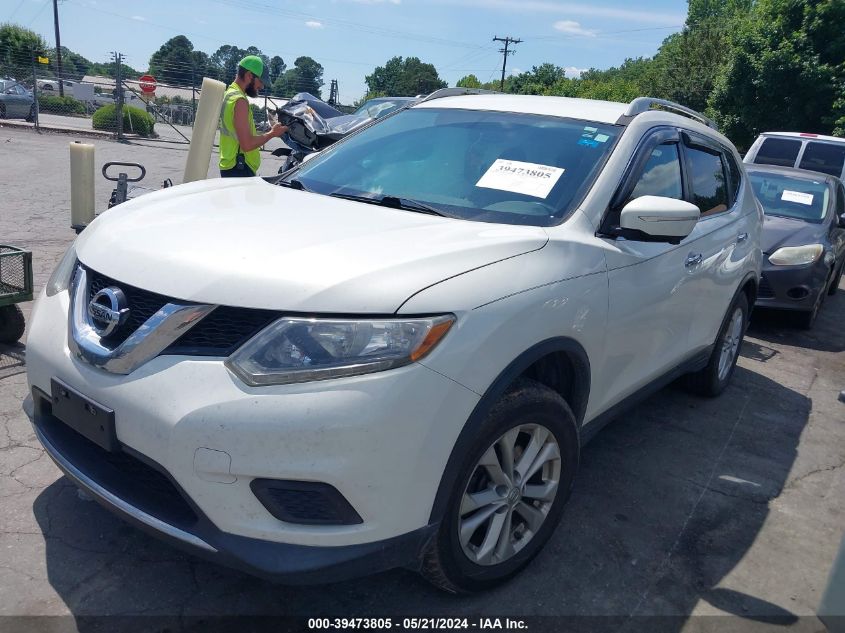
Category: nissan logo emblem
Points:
column 107, row 311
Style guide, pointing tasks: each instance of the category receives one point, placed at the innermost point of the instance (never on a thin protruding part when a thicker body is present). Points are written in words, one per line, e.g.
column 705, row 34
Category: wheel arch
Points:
column 560, row 363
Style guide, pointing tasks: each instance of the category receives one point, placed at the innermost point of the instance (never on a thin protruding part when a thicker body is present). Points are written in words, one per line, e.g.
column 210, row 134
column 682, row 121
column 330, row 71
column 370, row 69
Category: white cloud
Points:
column 314, row 24
column 378, row 1
column 139, row 18
column 573, row 73
column 571, row 27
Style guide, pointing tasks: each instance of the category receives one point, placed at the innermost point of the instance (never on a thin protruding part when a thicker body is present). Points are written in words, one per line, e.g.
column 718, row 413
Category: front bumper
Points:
column 382, row 440
column 180, row 522
column 791, row 287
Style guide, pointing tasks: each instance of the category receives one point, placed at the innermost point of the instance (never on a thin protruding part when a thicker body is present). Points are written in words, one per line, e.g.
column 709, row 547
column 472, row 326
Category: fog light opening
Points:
column 798, row 292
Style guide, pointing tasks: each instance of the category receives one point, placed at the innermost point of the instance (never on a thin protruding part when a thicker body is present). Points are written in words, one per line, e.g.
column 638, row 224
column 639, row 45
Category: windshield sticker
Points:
column 588, row 142
column 528, row 179
column 797, row 196
column 602, row 138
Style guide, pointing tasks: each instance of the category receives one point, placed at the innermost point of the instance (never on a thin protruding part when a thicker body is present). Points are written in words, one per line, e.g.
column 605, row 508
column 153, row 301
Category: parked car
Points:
column 813, row 152
column 803, row 238
column 392, row 355
column 16, row 102
column 379, row 107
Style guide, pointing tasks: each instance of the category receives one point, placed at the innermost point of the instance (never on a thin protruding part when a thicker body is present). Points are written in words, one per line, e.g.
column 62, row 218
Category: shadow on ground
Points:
column 669, row 498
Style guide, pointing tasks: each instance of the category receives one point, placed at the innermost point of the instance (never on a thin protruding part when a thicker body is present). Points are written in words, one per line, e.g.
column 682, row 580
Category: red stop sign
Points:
column 148, row 84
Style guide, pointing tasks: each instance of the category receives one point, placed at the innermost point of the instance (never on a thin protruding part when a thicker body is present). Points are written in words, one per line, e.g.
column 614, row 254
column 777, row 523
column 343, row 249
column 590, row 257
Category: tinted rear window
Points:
column 824, row 157
column 778, row 151
column 709, row 191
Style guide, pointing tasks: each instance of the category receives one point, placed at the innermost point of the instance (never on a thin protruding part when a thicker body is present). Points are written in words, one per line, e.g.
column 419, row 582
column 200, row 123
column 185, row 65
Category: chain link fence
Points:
column 33, row 95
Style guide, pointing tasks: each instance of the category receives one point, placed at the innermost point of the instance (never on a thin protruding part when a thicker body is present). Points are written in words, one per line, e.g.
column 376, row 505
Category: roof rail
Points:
column 644, row 104
column 457, row 92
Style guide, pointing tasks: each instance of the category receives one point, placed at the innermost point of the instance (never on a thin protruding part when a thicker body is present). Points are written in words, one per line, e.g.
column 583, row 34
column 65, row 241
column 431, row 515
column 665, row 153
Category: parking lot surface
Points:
column 684, row 507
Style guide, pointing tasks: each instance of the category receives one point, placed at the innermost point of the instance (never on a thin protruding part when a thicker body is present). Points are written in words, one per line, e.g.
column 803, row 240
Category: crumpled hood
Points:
column 245, row 242
column 779, row 232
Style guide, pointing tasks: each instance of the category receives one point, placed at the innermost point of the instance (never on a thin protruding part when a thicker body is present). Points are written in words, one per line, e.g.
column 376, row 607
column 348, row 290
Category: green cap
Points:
column 254, row 64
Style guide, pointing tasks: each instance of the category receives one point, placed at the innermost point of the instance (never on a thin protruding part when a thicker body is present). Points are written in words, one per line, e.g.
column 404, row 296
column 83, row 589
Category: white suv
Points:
column 392, row 356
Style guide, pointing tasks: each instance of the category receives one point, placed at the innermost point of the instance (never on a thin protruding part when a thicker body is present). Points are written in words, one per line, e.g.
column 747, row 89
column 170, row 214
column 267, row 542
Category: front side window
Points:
column 707, row 180
column 661, row 174
column 778, row 151
column 827, row 158
column 789, row 197
column 476, row 165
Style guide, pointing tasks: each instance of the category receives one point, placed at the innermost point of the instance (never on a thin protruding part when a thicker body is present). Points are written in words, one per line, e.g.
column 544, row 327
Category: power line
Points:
column 505, row 52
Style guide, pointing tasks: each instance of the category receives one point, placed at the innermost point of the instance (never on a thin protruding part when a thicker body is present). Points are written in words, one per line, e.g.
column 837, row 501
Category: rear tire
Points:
column 31, row 116
column 12, row 324
column 2, row 111
column 498, row 519
column 712, row 380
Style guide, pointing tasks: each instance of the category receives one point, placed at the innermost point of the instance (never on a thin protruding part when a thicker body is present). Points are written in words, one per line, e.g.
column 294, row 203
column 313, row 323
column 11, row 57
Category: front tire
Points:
column 712, row 380
column 509, row 493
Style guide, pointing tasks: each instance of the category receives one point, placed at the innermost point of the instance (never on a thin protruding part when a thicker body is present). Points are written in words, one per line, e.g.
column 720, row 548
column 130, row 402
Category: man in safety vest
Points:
column 239, row 142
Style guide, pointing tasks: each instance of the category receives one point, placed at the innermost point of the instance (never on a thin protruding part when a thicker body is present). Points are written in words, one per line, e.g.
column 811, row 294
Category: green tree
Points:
column 173, row 62
column 277, row 67
column 305, row 76
column 404, row 78
column 470, row 81
column 109, row 70
column 16, row 46
column 786, row 70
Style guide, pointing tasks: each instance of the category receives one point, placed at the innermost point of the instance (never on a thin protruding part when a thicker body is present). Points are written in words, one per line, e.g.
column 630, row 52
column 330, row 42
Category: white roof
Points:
column 807, row 135
column 588, row 109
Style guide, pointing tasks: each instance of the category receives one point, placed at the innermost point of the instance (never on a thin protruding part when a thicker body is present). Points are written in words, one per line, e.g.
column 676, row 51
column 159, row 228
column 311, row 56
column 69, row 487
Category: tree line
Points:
column 751, row 65
column 176, row 62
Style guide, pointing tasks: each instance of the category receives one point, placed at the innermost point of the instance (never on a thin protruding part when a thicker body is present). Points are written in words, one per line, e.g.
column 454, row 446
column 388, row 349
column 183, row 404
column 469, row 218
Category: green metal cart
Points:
column 15, row 287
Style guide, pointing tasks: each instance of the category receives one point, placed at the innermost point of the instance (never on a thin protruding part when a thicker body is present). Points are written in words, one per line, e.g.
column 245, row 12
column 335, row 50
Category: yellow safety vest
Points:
column 229, row 146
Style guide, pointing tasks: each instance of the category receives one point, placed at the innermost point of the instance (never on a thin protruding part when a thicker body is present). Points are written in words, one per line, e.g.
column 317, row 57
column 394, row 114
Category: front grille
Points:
column 222, row 331
column 765, row 290
column 218, row 334
column 122, row 474
column 142, row 305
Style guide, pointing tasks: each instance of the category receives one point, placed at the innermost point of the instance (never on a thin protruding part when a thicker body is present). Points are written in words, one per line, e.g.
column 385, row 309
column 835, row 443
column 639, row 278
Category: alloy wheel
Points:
column 730, row 344
column 509, row 494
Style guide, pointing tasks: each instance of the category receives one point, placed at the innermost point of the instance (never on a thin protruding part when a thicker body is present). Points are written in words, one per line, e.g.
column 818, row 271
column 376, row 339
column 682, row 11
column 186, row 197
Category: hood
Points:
column 245, row 242
column 779, row 232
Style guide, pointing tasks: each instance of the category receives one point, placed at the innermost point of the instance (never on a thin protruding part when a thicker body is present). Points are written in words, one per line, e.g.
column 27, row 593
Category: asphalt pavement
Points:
column 684, row 507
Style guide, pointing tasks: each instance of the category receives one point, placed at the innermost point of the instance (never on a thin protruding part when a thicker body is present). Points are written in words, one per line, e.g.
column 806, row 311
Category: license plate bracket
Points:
column 85, row 416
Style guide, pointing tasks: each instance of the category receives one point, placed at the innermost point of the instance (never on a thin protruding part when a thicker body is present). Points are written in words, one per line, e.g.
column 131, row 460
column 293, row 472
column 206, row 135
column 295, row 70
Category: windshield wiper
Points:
column 393, row 202
column 293, row 183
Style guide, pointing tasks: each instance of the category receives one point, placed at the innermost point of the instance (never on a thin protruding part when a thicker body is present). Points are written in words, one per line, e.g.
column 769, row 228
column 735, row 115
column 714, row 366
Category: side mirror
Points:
column 658, row 219
column 842, row 221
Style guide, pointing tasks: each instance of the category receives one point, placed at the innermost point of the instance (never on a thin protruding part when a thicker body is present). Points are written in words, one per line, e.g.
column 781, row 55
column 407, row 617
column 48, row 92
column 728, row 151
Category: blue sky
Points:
column 351, row 37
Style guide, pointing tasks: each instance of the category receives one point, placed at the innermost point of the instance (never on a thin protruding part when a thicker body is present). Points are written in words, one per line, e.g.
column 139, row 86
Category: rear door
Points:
column 721, row 240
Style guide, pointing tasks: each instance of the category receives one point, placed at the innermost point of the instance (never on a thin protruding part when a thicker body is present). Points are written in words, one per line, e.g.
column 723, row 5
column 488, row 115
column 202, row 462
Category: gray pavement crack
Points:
column 816, row 471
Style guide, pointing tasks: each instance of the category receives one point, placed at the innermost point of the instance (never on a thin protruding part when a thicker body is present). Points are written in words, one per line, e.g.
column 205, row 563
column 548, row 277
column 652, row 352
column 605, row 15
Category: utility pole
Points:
column 505, row 52
column 58, row 46
column 333, row 93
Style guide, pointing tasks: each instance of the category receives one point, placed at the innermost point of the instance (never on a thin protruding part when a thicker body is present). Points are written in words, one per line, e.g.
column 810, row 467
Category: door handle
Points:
column 741, row 238
column 693, row 260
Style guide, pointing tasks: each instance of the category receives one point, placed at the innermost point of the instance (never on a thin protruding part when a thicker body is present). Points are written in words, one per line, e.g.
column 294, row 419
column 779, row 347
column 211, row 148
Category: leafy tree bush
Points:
column 134, row 120
column 60, row 105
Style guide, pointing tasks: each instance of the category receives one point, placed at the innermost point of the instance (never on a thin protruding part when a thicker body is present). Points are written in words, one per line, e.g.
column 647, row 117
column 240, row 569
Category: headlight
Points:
column 60, row 279
column 796, row 255
column 298, row 350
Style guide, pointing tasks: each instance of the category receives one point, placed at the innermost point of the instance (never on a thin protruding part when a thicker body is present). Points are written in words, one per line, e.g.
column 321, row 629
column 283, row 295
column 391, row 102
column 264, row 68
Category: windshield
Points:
column 790, row 197
column 476, row 165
